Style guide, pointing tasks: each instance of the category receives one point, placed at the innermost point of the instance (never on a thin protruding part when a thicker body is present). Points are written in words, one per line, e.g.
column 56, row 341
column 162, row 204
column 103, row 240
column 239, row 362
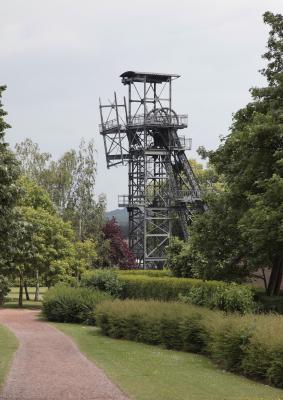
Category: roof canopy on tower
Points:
column 150, row 77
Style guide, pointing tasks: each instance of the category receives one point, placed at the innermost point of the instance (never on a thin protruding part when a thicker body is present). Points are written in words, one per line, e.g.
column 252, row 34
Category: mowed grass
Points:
column 13, row 296
column 8, row 345
column 149, row 372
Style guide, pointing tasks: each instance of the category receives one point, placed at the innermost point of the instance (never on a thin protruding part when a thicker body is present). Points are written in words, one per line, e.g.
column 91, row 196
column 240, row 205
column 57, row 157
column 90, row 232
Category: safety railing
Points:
column 111, row 124
column 180, row 121
column 125, row 201
column 159, row 120
column 187, row 195
column 181, row 143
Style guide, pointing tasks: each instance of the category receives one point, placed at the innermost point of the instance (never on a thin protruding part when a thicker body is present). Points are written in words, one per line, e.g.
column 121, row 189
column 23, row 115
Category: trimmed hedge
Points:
column 105, row 280
column 250, row 345
column 212, row 294
column 145, row 285
column 68, row 304
column 157, row 273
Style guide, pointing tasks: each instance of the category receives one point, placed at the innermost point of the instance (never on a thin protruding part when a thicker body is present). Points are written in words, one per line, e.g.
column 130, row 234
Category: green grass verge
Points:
column 26, row 304
column 12, row 298
column 148, row 372
column 8, row 345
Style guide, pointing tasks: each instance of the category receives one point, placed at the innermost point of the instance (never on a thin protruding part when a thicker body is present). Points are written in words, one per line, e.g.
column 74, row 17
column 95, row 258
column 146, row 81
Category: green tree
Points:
column 42, row 241
column 34, row 164
column 86, row 256
column 8, row 189
column 262, row 228
column 241, row 230
column 70, row 182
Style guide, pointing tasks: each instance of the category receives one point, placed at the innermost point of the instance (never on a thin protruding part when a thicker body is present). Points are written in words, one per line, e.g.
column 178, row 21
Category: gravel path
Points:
column 49, row 366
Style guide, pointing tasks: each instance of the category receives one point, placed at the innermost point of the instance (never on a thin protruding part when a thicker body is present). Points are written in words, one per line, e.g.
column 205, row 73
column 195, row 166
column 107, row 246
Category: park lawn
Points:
column 8, row 346
column 147, row 372
column 12, row 298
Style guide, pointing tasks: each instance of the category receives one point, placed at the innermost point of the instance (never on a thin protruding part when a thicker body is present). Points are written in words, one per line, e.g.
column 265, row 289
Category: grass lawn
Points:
column 150, row 373
column 12, row 298
column 8, row 345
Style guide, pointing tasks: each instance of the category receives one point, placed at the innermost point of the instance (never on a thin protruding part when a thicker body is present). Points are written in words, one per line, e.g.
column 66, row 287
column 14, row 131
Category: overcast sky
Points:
column 59, row 56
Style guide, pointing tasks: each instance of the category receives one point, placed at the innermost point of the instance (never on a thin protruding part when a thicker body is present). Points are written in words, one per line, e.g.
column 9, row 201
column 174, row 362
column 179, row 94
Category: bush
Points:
column 67, row 304
column 174, row 325
column 179, row 258
column 212, row 294
column 4, row 288
column 227, row 297
column 263, row 355
column 251, row 344
column 103, row 279
column 157, row 285
column 270, row 303
column 146, row 287
column 157, row 273
column 229, row 343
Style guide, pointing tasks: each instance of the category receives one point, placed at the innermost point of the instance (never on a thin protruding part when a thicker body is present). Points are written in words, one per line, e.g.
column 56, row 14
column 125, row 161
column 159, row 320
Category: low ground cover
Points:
column 232, row 341
column 145, row 372
column 8, row 345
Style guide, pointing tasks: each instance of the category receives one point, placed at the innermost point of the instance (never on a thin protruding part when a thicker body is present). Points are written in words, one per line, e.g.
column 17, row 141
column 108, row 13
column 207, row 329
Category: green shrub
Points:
column 251, row 344
column 4, row 288
column 263, row 354
column 224, row 296
column 179, row 258
column 67, row 304
column 275, row 370
column 194, row 334
column 174, row 325
column 270, row 303
column 157, row 288
column 229, row 343
column 157, row 273
column 105, row 280
column 212, row 294
column 157, row 285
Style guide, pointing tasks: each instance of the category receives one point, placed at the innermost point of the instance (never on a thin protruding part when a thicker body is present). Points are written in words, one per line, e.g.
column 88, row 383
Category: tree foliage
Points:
column 8, row 189
column 120, row 254
column 242, row 229
column 251, row 159
column 70, row 183
column 42, row 242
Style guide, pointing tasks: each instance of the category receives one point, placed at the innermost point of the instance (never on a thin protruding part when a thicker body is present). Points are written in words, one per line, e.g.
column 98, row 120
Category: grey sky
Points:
column 58, row 57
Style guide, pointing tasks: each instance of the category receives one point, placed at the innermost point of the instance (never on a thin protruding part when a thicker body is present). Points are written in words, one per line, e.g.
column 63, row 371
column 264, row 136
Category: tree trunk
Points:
column 26, row 290
column 36, row 295
column 20, row 303
column 264, row 278
column 275, row 279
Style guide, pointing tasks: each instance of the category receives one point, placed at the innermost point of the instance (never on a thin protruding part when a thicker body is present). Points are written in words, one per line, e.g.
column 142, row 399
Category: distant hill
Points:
column 121, row 216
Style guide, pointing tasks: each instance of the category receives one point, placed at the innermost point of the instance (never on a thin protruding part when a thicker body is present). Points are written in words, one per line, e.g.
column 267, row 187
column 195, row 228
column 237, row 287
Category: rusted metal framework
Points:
column 142, row 132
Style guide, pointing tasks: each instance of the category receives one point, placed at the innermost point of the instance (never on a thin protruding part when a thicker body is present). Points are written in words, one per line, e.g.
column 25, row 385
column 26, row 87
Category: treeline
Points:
column 52, row 228
column 242, row 231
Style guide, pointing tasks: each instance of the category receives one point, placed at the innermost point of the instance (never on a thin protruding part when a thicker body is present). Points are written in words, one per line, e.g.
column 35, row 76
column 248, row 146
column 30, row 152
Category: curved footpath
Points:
column 49, row 366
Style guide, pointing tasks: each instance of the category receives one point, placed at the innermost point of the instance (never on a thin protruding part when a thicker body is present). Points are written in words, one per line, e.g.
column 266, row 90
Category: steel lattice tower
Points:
column 142, row 132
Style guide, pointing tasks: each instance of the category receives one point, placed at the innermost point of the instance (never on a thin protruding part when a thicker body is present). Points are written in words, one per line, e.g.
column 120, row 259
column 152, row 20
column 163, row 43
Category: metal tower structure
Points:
column 142, row 132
